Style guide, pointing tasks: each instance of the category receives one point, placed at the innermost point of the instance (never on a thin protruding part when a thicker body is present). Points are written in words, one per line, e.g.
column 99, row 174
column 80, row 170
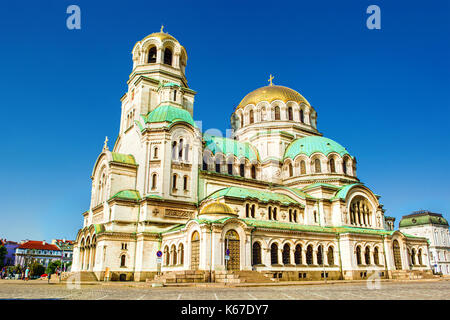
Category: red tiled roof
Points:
column 38, row 245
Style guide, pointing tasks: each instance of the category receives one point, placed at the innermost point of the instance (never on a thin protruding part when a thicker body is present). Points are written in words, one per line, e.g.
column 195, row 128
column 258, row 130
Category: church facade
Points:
column 277, row 197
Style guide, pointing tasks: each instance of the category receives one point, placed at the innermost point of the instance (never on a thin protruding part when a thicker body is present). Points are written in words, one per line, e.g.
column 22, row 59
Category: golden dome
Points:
column 272, row 93
column 218, row 208
column 161, row 35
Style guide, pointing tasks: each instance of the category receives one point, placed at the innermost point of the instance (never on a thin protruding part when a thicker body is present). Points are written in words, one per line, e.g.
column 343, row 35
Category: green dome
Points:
column 168, row 113
column 312, row 144
column 422, row 218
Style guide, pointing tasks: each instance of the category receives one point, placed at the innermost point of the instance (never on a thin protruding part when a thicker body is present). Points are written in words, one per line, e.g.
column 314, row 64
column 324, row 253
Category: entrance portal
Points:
column 195, row 251
column 232, row 250
column 397, row 257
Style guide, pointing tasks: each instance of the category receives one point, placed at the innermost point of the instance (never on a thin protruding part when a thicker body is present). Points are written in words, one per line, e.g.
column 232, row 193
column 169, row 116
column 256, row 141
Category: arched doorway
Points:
column 232, row 250
column 397, row 256
column 195, row 251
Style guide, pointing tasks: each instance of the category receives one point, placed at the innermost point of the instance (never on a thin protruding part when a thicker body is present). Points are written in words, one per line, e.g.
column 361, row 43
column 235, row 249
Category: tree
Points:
column 3, row 253
column 37, row 269
column 52, row 266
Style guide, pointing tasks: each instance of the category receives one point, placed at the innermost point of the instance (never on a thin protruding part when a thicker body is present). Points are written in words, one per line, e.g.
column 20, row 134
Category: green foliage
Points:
column 37, row 269
column 52, row 266
column 3, row 253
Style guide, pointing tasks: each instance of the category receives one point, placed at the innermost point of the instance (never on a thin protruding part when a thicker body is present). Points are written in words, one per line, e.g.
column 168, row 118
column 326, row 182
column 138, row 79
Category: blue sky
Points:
column 383, row 94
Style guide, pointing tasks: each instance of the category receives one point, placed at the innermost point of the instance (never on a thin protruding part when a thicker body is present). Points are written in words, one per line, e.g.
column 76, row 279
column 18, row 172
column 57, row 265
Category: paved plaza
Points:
column 420, row 290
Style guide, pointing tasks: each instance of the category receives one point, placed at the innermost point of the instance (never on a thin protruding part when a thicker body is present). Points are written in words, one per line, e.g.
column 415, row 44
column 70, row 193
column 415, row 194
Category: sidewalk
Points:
column 219, row 285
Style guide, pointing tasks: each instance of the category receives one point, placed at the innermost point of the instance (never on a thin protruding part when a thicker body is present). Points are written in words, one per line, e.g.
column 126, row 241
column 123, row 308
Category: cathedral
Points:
column 275, row 198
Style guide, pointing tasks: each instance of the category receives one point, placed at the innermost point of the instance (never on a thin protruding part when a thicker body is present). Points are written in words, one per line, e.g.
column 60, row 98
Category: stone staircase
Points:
column 80, row 276
column 186, row 276
column 242, row 277
column 412, row 275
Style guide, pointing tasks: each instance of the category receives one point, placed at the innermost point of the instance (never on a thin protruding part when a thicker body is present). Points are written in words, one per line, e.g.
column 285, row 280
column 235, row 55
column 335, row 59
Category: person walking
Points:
column 27, row 272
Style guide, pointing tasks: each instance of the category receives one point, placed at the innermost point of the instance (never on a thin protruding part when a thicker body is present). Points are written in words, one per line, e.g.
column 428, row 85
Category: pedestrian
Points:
column 27, row 271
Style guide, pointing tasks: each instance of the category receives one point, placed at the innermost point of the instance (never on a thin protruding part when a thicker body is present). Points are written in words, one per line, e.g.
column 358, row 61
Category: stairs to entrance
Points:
column 80, row 276
column 241, row 277
column 412, row 274
column 186, row 276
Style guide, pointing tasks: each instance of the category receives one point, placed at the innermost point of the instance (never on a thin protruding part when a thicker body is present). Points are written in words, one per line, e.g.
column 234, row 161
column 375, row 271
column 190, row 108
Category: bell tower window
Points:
column 168, row 56
column 290, row 115
column 152, row 55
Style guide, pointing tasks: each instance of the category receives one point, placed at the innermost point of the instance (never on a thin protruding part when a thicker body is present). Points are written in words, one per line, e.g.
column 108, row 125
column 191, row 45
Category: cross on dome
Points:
column 162, row 27
column 270, row 80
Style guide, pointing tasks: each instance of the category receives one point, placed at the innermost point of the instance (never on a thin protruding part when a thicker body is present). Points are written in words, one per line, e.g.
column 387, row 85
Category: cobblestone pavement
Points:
column 439, row 290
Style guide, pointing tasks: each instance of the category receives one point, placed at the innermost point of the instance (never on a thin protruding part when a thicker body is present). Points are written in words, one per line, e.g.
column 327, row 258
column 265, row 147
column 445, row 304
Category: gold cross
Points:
column 106, row 143
column 270, row 80
column 162, row 27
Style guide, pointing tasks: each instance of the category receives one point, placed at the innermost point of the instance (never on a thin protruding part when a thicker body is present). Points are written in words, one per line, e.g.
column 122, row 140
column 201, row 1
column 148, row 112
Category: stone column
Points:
column 280, row 256
column 315, row 257
column 303, row 251
column 292, row 256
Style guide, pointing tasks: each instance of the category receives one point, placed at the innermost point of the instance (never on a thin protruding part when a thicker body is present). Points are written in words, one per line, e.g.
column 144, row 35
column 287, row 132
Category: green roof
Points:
column 99, row 228
column 170, row 84
column 168, row 113
column 342, row 193
column 311, row 144
column 230, row 146
column 261, row 196
column 127, row 195
column 422, row 218
column 298, row 192
column 123, row 158
column 320, row 184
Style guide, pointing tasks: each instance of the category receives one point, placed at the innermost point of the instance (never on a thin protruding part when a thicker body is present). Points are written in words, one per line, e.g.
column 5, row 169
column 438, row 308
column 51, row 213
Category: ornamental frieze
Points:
column 177, row 213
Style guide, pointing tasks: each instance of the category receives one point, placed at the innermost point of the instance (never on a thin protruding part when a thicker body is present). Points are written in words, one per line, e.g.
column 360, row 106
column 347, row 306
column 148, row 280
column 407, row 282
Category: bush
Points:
column 52, row 266
column 36, row 269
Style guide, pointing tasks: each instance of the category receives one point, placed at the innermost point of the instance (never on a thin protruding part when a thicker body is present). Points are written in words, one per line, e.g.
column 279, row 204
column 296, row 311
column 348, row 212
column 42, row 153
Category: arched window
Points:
column 247, row 210
column 302, row 116
column 252, row 211
column 185, row 183
column 291, row 170
column 122, row 260
column 181, row 254
column 302, row 167
column 277, row 113
column 174, row 150
column 173, row 253
column 218, row 162
column 320, row 255
column 253, row 172
column 230, row 168
column 344, row 166
column 317, row 166
column 286, row 254
column 298, row 254
column 330, row 256
column 256, row 253
column 332, row 166
column 413, row 256
column 274, row 253
column 270, row 213
column 174, row 182
column 290, row 115
column 242, row 170
column 167, row 256
column 242, row 121
column 206, row 161
column 155, row 153
column 180, row 150
column 251, row 116
column 290, row 215
column 376, row 259
column 168, row 56
column 419, row 256
column 175, row 95
column 360, row 213
column 309, row 255
column 152, row 55
column 274, row 213
column 358, row 255
column 186, row 152
column 367, row 256
column 154, row 180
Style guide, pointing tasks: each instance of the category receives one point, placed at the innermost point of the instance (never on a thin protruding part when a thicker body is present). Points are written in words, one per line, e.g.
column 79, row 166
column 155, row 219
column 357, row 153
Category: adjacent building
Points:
column 275, row 197
column 66, row 247
column 40, row 251
column 435, row 228
column 11, row 247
